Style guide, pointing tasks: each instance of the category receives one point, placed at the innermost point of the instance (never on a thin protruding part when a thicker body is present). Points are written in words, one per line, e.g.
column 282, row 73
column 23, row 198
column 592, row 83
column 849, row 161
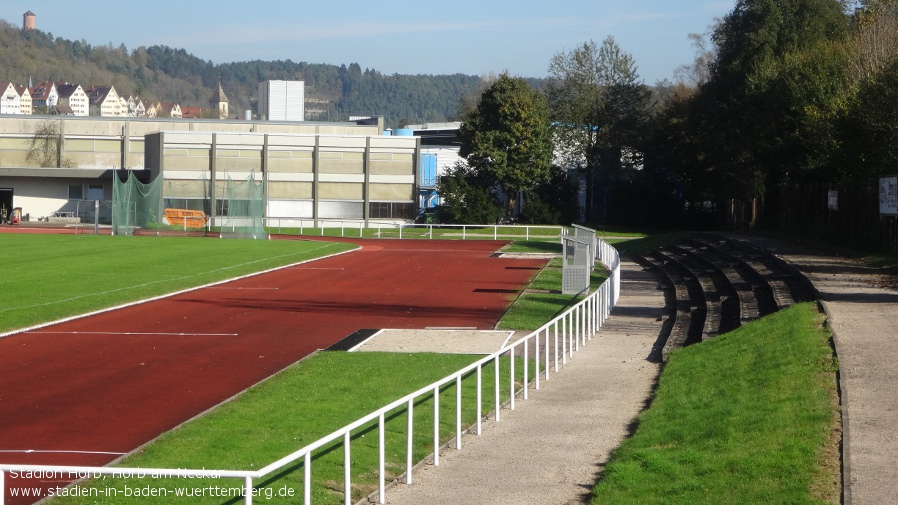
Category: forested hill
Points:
column 165, row 74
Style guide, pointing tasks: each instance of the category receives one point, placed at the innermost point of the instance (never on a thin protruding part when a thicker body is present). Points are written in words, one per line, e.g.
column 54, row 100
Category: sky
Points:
column 405, row 37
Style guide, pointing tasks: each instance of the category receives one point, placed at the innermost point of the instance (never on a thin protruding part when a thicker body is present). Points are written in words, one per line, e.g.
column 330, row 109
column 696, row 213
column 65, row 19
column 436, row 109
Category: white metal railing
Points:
column 564, row 335
column 381, row 229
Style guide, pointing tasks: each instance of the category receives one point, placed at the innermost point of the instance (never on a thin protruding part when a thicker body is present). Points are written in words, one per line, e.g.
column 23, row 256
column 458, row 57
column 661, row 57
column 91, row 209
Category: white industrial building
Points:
column 282, row 100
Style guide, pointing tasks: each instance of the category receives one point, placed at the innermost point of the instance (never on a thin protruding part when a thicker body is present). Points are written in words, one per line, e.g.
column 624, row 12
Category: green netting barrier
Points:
column 243, row 207
column 135, row 204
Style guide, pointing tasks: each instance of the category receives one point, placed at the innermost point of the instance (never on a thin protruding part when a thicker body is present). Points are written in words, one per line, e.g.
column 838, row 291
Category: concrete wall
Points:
column 307, row 176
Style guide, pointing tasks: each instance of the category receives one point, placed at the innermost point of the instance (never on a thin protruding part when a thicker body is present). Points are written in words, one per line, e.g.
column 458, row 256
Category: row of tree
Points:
column 782, row 93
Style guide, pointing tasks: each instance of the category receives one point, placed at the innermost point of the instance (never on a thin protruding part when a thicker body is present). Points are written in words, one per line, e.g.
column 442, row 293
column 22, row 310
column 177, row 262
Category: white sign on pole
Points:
column 888, row 195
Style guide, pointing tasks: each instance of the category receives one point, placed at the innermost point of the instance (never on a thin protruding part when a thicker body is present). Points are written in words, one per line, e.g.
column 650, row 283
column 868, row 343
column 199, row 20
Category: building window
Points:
column 76, row 192
column 95, row 192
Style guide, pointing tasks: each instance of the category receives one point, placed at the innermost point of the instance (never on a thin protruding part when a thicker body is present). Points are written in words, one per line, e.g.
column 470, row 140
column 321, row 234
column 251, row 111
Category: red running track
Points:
column 114, row 381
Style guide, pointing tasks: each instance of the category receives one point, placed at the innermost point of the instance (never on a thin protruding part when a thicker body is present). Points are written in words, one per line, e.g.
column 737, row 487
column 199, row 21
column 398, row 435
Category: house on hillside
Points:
column 43, row 96
column 25, row 100
column 133, row 106
column 10, row 101
column 104, row 101
column 191, row 112
column 169, row 109
column 74, row 97
column 61, row 110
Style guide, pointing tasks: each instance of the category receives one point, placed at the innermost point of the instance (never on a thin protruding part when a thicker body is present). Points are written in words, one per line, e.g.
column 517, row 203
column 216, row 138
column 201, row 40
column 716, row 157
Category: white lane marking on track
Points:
column 138, row 333
column 52, row 451
column 244, row 288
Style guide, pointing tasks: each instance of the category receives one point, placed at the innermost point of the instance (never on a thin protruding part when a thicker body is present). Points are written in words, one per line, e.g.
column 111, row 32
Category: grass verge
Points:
column 49, row 277
column 543, row 300
column 749, row 417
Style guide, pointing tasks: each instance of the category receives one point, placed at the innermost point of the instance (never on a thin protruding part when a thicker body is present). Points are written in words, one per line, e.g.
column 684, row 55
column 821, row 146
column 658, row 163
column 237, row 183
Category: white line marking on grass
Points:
column 138, row 333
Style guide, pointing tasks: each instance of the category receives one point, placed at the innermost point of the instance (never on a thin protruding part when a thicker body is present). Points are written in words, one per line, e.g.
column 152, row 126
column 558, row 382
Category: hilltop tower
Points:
column 219, row 101
column 28, row 21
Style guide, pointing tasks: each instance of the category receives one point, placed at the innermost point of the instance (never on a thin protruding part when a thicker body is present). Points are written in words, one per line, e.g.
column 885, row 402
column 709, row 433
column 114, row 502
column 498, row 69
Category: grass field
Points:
column 49, row 277
column 748, row 417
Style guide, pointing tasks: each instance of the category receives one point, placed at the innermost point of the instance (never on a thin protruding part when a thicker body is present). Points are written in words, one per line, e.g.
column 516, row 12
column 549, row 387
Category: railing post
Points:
column 584, row 316
column 564, row 339
column 556, row 345
column 479, row 398
column 381, row 465
column 590, row 319
column 307, row 478
column 511, row 375
column 526, row 367
column 436, row 426
column 247, row 490
column 347, row 470
column 409, row 445
column 572, row 333
column 536, row 361
column 458, row 412
column 496, row 385
column 547, row 353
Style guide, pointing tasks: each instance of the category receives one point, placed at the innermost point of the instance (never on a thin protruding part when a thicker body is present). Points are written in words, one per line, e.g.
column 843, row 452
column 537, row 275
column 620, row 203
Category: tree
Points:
column 875, row 38
column 869, row 140
column 45, row 146
column 600, row 109
column 553, row 202
column 466, row 197
column 763, row 117
column 507, row 137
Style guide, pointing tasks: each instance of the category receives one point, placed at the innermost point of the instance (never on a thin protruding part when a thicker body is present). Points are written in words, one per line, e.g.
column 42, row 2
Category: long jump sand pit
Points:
column 438, row 340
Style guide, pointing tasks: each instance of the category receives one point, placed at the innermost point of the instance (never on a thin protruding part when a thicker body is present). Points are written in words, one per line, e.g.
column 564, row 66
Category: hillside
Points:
column 166, row 74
